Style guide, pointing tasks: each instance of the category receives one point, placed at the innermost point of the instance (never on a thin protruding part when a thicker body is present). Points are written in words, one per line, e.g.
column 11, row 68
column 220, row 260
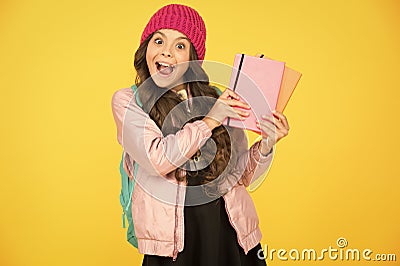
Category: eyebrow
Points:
column 179, row 38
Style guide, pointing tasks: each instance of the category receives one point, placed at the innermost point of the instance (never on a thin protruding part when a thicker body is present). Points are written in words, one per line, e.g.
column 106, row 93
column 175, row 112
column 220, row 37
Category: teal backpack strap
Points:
column 126, row 201
column 132, row 185
column 127, row 189
column 138, row 101
column 217, row 89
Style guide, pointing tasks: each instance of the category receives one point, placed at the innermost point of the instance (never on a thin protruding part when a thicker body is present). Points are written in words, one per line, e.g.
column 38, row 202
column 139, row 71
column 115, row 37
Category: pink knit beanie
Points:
column 181, row 18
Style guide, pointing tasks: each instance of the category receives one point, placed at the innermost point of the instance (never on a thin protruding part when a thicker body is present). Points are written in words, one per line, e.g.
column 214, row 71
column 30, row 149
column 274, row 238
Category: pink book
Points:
column 257, row 81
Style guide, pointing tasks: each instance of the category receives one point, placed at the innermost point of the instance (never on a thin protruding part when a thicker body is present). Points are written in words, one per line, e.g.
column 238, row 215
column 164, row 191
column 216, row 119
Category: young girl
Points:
column 216, row 223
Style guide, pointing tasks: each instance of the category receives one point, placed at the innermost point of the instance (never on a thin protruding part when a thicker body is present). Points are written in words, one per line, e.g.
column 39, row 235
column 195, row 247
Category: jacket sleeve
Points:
column 144, row 142
column 251, row 164
column 254, row 164
column 119, row 104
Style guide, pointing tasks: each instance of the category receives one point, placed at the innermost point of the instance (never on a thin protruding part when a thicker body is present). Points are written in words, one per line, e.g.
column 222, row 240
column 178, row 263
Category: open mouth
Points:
column 164, row 68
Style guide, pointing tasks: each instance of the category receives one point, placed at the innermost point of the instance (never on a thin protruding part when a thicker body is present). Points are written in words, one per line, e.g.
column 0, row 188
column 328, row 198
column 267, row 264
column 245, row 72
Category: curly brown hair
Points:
column 158, row 103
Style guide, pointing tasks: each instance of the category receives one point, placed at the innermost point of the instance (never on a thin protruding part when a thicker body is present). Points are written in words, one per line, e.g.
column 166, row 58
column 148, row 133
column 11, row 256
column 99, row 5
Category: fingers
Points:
column 242, row 114
column 233, row 99
column 274, row 126
column 229, row 93
column 267, row 130
column 237, row 103
column 282, row 118
column 236, row 112
column 267, row 124
column 272, row 120
column 280, row 123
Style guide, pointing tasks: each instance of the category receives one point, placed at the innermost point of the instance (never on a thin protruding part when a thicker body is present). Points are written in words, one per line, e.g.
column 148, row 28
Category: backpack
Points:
column 128, row 186
column 125, row 196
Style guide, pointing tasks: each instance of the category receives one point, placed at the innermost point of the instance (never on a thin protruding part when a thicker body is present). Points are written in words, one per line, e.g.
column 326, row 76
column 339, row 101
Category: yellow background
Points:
column 335, row 175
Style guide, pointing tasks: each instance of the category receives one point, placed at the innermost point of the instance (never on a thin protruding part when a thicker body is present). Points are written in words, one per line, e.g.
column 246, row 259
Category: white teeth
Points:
column 164, row 64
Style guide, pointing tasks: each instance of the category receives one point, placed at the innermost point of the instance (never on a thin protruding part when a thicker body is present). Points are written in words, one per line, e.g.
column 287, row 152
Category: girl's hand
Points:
column 273, row 128
column 226, row 106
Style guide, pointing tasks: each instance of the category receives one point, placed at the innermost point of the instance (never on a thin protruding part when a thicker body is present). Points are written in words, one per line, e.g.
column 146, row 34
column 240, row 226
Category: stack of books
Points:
column 263, row 83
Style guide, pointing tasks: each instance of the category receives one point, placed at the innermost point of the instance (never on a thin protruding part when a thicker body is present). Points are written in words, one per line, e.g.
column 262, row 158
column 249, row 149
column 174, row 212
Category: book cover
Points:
column 289, row 82
column 257, row 81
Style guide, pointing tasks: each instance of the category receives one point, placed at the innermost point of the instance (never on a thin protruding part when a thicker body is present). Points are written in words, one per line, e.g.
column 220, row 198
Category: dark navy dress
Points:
column 210, row 240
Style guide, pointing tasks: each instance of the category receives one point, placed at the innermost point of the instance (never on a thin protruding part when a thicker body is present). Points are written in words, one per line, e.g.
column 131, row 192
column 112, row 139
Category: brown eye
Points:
column 180, row 46
column 158, row 41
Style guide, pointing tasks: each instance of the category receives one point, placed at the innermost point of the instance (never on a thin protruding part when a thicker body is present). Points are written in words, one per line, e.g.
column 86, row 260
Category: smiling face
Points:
column 166, row 54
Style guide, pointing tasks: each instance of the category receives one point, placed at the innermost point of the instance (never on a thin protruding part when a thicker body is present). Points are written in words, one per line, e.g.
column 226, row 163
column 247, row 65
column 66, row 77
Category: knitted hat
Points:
column 181, row 18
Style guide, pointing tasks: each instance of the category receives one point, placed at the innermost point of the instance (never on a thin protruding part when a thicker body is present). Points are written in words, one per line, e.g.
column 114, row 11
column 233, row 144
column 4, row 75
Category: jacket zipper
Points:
column 175, row 253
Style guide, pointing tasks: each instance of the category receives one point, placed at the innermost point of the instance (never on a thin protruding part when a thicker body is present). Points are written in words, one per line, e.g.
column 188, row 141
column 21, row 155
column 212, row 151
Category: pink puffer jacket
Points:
column 158, row 199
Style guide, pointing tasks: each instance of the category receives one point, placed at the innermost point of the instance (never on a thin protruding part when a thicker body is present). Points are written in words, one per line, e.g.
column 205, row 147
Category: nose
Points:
column 167, row 52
